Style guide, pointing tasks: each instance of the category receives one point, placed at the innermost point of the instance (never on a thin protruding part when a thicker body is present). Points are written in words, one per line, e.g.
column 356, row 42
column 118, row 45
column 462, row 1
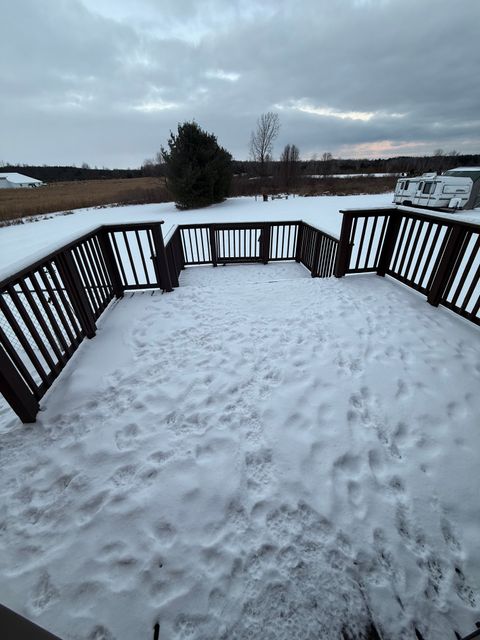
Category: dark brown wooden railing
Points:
column 49, row 308
column 437, row 256
column 224, row 243
column 237, row 242
column 317, row 251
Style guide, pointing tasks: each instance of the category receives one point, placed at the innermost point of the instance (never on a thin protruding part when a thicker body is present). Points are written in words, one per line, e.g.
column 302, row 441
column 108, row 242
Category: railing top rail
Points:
column 239, row 225
column 131, row 226
column 46, row 258
column 20, row 273
column 454, row 218
column 474, row 634
column 413, row 212
column 255, row 225
column 328, row 235
column 379, row 211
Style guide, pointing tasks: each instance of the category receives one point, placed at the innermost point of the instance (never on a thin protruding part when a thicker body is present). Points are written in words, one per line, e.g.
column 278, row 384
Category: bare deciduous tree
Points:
column 327, row 162
column 262, row 139
column 289, row 166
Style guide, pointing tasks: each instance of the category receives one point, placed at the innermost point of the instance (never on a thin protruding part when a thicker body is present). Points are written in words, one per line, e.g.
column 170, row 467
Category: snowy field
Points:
column 355, row 175
column 256, row 455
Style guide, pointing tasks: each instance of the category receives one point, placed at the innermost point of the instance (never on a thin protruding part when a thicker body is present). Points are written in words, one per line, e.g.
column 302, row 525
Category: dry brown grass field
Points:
column 63, row 196
column 242, row 186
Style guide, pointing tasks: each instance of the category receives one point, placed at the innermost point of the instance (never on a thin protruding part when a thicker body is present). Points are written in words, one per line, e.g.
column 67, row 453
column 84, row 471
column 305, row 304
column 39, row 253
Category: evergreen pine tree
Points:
column 198, row 170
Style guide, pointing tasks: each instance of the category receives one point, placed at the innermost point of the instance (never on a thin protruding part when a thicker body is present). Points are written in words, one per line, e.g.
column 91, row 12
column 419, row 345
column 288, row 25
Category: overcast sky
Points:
column 104, row 81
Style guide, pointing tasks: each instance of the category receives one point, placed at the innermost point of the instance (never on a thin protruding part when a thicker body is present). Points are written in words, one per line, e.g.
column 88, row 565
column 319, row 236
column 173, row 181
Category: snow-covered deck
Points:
column 258, row 454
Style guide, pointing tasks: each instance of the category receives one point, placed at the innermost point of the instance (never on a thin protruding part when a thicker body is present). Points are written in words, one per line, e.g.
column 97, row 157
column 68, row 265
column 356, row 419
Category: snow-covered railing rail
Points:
column 435, row 255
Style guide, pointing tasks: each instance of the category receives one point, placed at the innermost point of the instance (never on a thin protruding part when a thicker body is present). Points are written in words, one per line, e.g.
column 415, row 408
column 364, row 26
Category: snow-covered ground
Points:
column 256, row 455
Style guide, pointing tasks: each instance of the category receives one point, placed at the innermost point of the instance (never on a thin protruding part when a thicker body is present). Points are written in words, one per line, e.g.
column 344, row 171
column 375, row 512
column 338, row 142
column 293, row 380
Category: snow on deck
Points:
column 256, row 455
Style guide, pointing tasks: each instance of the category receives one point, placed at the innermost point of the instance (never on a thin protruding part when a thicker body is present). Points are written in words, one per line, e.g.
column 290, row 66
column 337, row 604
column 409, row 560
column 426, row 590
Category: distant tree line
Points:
column 401, row 164
column 47, row 173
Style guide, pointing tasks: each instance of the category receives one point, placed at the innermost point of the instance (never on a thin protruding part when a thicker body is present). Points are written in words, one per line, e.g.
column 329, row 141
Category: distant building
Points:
column 17, row 181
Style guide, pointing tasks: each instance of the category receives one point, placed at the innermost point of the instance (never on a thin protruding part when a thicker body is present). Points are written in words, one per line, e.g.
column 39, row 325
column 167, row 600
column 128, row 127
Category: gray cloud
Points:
column 104, row 81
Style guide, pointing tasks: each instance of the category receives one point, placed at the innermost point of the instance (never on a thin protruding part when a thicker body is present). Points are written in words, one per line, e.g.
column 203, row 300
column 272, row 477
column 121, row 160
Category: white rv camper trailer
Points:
column 455, row 189
column 405, row 190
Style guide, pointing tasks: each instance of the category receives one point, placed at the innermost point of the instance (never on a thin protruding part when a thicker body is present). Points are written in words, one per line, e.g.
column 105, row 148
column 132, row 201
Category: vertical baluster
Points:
column 124, row 282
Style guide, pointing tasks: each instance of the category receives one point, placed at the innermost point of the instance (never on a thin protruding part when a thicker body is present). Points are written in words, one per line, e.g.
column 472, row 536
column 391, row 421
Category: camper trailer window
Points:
column 427, row 187
column 452, row 189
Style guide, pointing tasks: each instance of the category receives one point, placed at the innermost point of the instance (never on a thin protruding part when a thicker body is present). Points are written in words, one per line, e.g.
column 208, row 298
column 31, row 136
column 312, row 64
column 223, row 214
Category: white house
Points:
column 17, row 181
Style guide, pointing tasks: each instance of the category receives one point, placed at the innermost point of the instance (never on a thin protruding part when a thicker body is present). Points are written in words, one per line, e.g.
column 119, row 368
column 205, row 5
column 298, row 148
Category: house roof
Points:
column 19, row 178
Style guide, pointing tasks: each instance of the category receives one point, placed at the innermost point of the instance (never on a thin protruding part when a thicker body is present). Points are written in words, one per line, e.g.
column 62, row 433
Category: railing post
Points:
column 172, row 263
column 389, row 242
column 160, row 259
column 177, row 248
column 265, row 244
column 76, row 292
column 344, row 247
column 15, row 390
column 110, row 263
column 446, row 264
column 316, row 255
column 298, row 248
column 213, row 244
